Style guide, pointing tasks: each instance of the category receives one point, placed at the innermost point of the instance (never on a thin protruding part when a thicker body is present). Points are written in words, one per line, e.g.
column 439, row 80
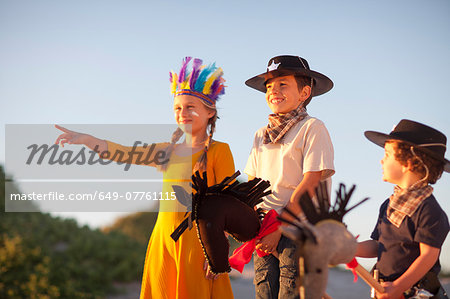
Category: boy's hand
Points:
column 294, row 207
column 422, row 264
column 269, row 243
column 310, row 181
column 391, row 291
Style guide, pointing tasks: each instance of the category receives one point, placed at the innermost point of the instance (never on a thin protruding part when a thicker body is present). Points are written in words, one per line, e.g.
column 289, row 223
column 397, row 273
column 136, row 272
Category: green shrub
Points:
column 137, row 226
column 24, row 271
column 42, row 256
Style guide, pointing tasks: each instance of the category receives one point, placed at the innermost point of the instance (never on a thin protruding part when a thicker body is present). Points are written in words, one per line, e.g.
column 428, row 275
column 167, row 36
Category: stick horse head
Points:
column 224, row 207
column 322, row 239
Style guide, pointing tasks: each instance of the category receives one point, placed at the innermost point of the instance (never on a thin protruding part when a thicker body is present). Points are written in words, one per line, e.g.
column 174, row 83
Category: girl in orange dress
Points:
column 179, row 269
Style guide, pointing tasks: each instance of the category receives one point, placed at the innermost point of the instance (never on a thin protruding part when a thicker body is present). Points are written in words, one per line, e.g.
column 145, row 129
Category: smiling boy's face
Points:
column 283, row 94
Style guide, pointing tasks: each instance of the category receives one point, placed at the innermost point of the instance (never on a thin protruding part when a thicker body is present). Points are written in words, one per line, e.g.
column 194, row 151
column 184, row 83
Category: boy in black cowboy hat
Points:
column 411, row 226
column 294, row 152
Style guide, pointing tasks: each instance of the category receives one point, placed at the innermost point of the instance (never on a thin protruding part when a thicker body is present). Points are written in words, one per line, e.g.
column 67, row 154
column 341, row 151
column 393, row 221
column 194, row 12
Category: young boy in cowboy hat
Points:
column 294, row 152
column 411, row 226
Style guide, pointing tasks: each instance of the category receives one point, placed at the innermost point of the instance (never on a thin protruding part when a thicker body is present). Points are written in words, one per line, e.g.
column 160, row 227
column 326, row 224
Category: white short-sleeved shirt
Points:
column 306, row 147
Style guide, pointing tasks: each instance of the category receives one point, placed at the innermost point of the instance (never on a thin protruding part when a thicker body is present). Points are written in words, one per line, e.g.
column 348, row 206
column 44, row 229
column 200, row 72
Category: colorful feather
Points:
column 217, row 73
column 217, row 89
column 182, row 74
column 185, row 83
column 203, row 79
column 199, row 85
column 220, row 90
column 173, row 87
column 195, row 71
column 214, row 88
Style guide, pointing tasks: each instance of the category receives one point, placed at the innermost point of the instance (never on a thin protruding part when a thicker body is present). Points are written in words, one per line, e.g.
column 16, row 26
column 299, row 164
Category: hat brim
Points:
column 381, row 138
column 322, row 83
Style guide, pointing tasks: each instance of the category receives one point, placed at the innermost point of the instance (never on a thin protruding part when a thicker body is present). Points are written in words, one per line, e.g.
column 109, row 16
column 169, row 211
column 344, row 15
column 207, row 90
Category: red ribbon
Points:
column 352, row 265
column 243, row 254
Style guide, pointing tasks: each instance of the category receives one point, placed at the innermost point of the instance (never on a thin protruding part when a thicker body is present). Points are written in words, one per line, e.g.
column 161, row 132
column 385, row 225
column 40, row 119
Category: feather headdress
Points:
column 202, row 81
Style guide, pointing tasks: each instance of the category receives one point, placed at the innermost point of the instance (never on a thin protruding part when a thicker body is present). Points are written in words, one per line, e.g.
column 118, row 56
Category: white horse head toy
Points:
column 322, row 239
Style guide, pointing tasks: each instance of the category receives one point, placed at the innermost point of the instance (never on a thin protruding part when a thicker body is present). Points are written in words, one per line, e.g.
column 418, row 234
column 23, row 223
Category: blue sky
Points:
column 107, row 62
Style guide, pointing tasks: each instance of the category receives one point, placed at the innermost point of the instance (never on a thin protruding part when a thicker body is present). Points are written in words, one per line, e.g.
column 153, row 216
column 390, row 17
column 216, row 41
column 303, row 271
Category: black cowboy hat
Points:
column 425, row 138
column 290, row 65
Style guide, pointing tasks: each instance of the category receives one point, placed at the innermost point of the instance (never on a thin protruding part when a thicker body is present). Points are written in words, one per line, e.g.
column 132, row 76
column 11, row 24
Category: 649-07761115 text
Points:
column 97, row 195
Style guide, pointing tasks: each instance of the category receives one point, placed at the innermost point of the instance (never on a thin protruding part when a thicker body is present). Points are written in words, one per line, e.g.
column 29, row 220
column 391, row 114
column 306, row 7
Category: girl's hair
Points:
column 421, row 163
column 200, row 165
column 206, row 84
column 175, row 137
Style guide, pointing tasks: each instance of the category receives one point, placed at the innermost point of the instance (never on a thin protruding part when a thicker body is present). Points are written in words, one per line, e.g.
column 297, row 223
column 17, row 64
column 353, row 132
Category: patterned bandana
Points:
column 279, row 125
column 404, row 202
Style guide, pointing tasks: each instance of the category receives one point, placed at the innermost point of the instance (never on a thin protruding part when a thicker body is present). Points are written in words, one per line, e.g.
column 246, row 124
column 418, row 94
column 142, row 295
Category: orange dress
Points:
column 175, row 269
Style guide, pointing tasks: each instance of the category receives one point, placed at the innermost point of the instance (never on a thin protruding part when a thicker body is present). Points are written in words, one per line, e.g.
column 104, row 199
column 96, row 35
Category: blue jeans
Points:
column 276, row 278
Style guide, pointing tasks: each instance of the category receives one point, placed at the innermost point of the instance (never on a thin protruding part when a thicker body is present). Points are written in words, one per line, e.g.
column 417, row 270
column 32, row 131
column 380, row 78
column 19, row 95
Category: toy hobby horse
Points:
column 322, row 240
column 224, row 207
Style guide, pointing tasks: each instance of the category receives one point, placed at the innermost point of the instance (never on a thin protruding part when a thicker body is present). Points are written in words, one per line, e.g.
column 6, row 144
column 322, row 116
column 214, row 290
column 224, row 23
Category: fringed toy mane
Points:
column 323, row 210
column 224, row 207
column 322, row 240
column 203, row 81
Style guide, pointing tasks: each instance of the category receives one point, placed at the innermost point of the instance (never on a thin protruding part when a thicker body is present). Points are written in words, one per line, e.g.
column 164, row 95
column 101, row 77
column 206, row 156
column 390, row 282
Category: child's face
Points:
column 283, row 96
column 393, row 171
column 191, row 115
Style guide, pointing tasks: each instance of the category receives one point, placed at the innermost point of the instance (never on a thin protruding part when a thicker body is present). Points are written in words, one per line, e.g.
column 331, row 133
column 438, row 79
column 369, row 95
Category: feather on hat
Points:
column 202, row 81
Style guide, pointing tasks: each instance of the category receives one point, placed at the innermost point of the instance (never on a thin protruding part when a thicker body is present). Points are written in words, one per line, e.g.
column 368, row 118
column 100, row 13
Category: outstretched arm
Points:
column 147, row 154
column 367, row 249
column 72, row 137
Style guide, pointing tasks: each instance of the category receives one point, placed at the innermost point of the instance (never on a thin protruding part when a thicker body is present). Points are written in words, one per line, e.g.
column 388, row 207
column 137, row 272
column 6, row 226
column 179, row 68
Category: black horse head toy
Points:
column 224, row 207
